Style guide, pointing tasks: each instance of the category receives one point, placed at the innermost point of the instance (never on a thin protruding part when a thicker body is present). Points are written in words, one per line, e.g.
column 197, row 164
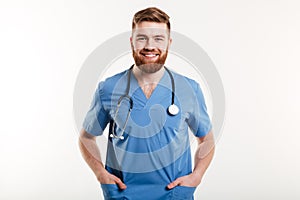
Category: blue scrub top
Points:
column 156, row 148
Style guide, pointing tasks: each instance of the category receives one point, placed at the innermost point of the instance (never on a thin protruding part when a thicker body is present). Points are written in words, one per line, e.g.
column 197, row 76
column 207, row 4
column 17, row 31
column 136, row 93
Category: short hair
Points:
column 151, row 14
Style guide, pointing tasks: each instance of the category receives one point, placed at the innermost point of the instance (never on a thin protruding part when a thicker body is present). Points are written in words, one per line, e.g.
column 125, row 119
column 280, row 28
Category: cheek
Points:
column 138, row 45
column 136, row 49
column 163, row 48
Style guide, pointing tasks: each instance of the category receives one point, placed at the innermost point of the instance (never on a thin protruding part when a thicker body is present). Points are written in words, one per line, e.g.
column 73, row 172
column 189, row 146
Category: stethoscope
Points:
column 172, row 109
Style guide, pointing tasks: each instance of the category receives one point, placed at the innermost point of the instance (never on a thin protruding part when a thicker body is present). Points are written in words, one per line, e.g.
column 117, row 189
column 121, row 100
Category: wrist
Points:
column 197, row 176
column 101, row 174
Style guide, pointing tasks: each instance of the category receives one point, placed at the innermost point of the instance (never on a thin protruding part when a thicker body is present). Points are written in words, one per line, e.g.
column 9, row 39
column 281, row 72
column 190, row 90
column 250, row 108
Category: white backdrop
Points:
column 254, row 45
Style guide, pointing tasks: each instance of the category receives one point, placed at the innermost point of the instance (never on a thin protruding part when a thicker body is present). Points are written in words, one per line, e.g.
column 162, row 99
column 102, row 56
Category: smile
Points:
column 151, row 55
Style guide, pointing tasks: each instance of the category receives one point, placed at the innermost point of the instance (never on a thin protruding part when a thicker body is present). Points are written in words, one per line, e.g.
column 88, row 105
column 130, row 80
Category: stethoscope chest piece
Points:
column 173, row 109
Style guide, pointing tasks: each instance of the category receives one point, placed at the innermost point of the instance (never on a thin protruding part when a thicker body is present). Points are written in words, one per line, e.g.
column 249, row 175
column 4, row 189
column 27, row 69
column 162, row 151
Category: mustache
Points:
column 150, row 51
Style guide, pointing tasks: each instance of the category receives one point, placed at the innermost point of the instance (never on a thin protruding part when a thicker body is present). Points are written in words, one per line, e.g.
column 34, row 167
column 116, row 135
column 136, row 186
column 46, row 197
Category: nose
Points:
column 150, row 44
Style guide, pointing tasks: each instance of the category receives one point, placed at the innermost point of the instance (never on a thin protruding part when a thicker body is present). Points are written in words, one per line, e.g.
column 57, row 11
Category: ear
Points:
column 170, row 41
column 131, row 43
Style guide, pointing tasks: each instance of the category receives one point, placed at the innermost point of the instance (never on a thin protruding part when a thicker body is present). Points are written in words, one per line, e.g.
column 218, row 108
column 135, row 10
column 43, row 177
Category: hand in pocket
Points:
column 107, row 178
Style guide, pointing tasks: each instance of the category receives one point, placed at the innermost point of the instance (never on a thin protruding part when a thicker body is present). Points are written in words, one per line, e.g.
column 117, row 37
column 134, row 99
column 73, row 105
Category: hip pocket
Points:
column 112, row 192
column 183, row 193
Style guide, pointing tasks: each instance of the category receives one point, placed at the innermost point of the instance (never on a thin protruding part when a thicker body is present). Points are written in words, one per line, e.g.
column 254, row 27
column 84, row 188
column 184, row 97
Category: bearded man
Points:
column 149, row 109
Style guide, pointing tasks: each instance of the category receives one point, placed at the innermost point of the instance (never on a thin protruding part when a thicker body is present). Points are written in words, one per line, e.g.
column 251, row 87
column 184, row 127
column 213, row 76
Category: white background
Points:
column 254, row 45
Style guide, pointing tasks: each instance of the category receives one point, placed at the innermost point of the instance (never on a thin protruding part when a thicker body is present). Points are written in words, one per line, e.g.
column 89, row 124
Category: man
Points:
column 148, row 152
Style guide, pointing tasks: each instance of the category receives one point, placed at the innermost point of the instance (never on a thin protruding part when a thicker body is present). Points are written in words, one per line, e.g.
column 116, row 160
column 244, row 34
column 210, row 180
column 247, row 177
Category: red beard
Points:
column 149, row 65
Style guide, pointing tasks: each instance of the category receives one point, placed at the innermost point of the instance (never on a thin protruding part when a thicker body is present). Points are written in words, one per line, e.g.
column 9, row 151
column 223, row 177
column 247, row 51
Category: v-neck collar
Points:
column 135, row 87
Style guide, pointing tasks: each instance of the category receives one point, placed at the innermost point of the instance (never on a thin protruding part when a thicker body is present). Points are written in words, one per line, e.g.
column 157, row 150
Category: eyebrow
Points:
column 162, row 36
column 143, row 35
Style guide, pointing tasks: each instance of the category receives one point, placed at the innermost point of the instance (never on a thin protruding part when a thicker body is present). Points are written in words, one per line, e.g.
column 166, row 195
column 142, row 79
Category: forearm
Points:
column 204, row 155
column 91, row 154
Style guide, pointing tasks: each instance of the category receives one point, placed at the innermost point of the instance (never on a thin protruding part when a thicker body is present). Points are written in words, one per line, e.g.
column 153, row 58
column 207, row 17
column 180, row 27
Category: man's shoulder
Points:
column 107, row 86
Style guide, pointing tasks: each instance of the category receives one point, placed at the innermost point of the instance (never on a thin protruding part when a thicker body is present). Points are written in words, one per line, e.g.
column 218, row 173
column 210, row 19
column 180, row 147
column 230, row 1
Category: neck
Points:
column 147, row 78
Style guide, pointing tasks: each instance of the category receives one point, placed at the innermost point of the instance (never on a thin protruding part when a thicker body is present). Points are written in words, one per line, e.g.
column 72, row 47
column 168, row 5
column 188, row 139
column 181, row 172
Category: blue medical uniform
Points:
column 156, row 148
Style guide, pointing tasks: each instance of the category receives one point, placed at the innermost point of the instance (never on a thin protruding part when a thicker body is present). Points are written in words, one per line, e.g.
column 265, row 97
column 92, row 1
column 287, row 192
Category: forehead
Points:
column 151, row 28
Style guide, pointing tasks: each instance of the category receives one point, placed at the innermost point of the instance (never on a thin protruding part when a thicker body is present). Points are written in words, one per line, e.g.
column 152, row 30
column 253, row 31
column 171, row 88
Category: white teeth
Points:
column 150, row 55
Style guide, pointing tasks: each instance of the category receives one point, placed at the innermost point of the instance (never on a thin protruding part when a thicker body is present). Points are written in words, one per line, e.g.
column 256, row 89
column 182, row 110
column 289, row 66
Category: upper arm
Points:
column 97, row 117
column 199, row 120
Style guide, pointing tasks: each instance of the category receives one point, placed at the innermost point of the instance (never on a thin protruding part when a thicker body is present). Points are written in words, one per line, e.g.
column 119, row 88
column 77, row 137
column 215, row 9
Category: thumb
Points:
column 174, row 184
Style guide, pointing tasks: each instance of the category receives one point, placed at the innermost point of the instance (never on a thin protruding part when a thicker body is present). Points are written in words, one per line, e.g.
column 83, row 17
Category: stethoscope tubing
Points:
column 172, row 109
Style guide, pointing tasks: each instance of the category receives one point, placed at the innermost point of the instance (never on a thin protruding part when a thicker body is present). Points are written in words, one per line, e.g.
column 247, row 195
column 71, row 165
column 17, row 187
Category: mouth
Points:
column 150, row 55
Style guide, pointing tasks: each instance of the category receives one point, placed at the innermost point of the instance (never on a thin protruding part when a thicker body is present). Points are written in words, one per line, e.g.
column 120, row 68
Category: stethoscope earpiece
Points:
column 114, row 136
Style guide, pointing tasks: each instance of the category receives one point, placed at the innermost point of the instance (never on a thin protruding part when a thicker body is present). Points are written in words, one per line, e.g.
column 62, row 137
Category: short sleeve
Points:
column 199, row 120
column 97, row 117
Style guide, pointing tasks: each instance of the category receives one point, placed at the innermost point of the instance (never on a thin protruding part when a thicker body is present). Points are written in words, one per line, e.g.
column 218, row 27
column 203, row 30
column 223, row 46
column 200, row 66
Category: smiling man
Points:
column 149, row 109
column 150, row 42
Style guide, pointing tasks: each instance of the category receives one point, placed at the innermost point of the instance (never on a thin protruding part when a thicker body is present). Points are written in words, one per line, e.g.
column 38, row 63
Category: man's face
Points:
column 150, row 42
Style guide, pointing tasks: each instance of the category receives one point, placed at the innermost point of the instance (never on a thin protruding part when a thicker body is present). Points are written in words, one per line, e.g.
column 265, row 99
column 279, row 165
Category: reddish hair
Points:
column 151, row 14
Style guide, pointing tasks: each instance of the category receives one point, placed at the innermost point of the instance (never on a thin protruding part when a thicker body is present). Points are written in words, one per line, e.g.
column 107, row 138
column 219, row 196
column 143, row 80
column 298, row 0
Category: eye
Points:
column 141, row 38
column 159, row 39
